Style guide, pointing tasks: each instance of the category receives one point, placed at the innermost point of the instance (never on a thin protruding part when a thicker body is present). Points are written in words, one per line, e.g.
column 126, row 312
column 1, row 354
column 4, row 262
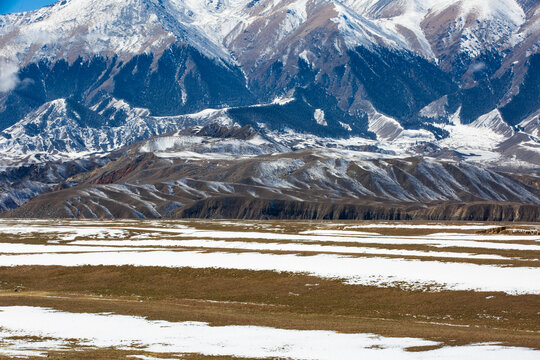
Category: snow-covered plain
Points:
column 434, row 257
column 445, row 240
column 243, row 245
column 64, row 233
column 435, row 261
column 137, row 333
column 372, row 271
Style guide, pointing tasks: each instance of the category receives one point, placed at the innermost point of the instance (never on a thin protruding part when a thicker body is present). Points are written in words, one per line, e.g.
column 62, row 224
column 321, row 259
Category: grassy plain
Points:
column 281, row 300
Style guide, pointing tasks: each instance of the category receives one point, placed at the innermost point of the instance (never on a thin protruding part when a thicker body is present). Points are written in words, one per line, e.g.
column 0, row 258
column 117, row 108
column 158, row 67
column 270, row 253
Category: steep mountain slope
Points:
column 176, row 56
column 83, row 28
column 135, row 50
column 453, row 82
column 64, row 129
column 20, row 184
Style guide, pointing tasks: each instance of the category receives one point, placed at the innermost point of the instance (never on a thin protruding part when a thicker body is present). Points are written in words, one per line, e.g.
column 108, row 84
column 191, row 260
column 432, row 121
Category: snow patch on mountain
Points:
column 399, row 17
column 436, row 109
column 506, row 10
column 74, row 28
column 531, row 125
column 386, row 128
column 57, row 131
column 479, row 25
column 494, row 121
column 345, row 126
column 168, row 143
column 477, row 140
column 360, row 31
column 194, row 147
column 319, row 117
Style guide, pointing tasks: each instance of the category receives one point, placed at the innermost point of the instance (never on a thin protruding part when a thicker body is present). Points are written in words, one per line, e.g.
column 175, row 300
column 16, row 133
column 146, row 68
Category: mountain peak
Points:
column 71, row 28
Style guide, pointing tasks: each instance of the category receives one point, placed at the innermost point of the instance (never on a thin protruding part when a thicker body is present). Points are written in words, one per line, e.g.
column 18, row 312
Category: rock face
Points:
column 413, row 83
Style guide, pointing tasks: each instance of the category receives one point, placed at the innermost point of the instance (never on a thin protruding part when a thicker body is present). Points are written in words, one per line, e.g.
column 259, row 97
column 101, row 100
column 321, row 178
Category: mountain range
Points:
column 402, row 109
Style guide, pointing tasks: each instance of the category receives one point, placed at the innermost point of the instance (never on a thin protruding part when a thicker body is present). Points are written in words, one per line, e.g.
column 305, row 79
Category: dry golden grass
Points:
column 226, row 297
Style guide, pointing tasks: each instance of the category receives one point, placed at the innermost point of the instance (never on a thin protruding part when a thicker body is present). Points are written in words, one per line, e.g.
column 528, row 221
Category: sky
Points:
column 10, row 6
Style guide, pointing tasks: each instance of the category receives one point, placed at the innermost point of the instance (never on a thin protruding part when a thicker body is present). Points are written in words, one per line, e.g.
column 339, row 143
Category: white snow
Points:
column 345, row 126
column 436, row 240
column 473, row 139
column 64, row 233
column 137, row 333
column 129, row 332
column 282, row 100
column 375, row 271
column 508, row 10
column 221, row 244
column 60, row 126
column 388, row 19
column 319, row 117
column 190, row 155
column 178, row 244
column 168, row 143
column 14, row 248
column 384, row 127
column 107, row 27
column 417, row 226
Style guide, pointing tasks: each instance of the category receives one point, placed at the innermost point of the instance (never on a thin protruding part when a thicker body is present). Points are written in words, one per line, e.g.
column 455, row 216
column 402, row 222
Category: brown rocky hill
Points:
column 183, row 176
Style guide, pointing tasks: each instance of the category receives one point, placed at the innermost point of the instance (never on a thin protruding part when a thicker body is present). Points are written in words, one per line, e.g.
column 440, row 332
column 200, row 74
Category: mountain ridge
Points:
column 435, row 79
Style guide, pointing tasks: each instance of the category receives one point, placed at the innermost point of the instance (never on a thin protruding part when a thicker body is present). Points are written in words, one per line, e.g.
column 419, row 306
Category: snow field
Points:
column 136, row 333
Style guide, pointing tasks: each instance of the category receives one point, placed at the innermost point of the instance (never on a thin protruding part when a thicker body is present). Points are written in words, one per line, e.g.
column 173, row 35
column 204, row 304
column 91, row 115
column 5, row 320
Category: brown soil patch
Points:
column 283, row 300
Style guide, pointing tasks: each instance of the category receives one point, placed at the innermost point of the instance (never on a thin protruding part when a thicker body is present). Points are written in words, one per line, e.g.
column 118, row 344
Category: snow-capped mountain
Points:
column 449, row 80
column 85, row 28
column 63, row 129
column 138, row 51
column 350, row 48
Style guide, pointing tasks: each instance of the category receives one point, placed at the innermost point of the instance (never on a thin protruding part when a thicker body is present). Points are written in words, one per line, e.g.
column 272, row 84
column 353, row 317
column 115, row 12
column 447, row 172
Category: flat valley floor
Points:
column 217, row 289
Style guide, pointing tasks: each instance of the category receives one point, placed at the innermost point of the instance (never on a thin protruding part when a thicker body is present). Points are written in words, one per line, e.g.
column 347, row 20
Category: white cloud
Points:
column 8, row 75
